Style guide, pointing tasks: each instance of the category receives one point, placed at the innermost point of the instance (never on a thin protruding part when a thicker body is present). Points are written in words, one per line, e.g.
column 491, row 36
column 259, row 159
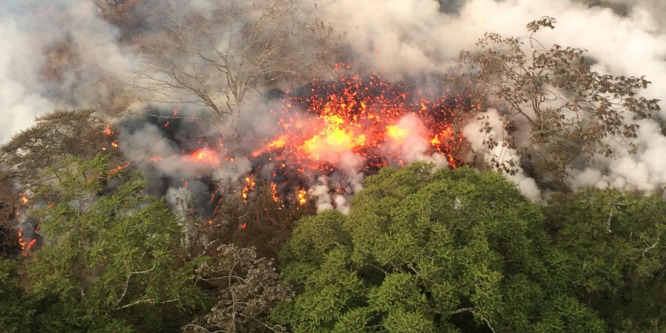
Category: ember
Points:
column 328, row 135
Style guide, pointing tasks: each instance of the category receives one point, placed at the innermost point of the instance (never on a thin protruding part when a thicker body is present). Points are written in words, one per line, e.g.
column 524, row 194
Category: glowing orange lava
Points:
column 364, row 117
column 397, row 133
column 302, row 199
column 119, row 168
column 204, row 155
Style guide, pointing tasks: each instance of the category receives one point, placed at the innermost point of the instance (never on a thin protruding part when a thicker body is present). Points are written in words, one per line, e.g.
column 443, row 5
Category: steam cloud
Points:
column 64, row 54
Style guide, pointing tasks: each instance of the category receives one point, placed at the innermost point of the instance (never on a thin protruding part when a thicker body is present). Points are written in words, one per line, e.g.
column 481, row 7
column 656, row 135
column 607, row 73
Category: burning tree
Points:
column 573, row 112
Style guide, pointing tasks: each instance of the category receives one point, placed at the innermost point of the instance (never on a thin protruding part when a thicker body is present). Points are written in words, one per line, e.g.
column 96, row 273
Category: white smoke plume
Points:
column 627, row 39
column 502, row 153
column 71, row 54
column 56, row 55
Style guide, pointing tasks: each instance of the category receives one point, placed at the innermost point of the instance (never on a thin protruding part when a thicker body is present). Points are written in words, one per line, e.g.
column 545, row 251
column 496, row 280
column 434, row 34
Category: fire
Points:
column 397, row 133
column 23, row 199
column 355, row 126
column 337, row 136
column 27, row 245
column 275, row 144
column 119, row 168
column 248, row 187
column 302, row 199
column 274, row 192
column 335, row 130
column 204, row 155
column 362, row 117
column 107, row 130
column 114, row 144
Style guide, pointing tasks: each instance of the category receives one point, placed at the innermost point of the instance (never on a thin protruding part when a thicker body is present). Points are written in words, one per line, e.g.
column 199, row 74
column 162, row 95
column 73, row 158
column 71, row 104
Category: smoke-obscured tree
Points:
column 54, row 138
column 111, row 262
column 245, row 287
column 215, row 57
column 612, row 255
column 425, row 251
column 572, row 112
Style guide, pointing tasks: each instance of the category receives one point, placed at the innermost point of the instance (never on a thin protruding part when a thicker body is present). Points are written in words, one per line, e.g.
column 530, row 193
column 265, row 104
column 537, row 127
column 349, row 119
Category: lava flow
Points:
column 332, row 134
column 323, row 140
column 363, row 124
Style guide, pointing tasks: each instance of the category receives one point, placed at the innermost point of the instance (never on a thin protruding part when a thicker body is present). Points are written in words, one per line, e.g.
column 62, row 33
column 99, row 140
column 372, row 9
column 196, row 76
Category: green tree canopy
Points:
column 609, row 248
column 109, row 263
column 458, row 251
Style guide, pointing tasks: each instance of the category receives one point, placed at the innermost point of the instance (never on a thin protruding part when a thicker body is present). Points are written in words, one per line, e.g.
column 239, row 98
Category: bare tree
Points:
column 246, row 287
column 213, row 59
column 573, row 112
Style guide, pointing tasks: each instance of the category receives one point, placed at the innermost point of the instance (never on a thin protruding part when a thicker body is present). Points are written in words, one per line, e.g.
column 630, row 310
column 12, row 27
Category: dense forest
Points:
column 260, row 169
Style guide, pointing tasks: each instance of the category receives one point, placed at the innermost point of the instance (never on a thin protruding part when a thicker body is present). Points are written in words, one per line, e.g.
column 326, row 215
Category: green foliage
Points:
column 421, row 251
column 610, row 247
column 457, row 251
column 113, row 262
column 17, row 309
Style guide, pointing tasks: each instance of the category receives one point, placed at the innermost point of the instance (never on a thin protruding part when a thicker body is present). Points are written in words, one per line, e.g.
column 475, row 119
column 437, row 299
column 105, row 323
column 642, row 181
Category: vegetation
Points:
column 572, row 112
column 421, row 250
column 112, row 262
column 458, row 251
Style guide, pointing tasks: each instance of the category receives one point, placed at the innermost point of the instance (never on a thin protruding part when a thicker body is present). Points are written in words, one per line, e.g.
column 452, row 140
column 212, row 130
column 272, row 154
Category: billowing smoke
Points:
column 79, row 54
column 624, row 38
column 57, row 55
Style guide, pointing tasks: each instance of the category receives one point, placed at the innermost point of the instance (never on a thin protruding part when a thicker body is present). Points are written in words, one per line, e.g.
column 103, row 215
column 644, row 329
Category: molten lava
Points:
column 376, row 122
column 204, row 155
column 327, row 135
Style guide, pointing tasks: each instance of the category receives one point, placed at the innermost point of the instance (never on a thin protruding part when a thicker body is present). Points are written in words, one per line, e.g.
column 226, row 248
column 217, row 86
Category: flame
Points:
column 302, row 199
column 26, row 246
column 354, row 125
column 23, row 199
column 119, row 168
column 20, row 237
column 114, row 144
column 204, row 155
column 275, row 144
column 274, row 192
column 107, row 131
column 249, row 187
column 337, row 137
column 397, row 133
